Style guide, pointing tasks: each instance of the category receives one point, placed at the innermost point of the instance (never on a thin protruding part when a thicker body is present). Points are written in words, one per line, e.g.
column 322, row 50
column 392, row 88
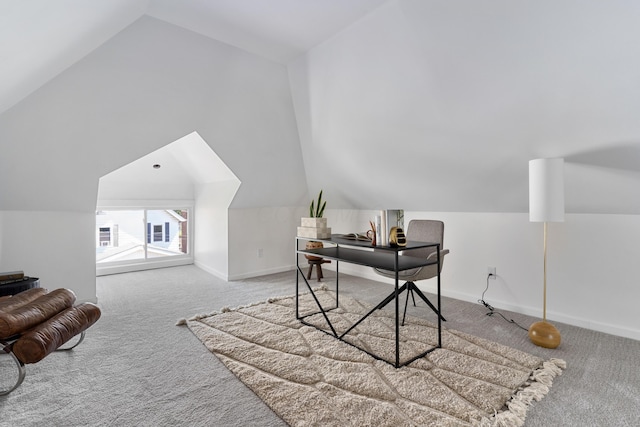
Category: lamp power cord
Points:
column 492, row 310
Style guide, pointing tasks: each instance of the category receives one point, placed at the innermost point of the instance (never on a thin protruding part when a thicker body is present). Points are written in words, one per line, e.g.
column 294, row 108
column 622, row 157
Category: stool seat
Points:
column 318, row 264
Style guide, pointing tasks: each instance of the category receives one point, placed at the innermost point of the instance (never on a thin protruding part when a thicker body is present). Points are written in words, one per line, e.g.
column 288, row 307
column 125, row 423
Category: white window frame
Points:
column 116, row 267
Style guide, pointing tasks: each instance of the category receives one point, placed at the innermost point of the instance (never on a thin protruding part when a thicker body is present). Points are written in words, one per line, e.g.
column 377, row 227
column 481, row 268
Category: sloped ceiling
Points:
column 171, row 172
column 439, row 106
column 41, row 38
column 144, row 88
column 424, row 105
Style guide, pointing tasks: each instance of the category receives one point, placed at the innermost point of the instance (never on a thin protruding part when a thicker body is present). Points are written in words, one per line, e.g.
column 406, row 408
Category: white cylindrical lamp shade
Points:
column 546, row 190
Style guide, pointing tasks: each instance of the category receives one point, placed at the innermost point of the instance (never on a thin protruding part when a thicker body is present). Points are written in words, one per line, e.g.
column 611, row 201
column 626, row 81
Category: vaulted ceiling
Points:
column 418, row 104
column 41, row 38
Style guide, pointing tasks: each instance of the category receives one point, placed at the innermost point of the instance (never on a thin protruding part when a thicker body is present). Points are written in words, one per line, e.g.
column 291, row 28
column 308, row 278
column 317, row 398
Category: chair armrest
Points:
column 443, row 252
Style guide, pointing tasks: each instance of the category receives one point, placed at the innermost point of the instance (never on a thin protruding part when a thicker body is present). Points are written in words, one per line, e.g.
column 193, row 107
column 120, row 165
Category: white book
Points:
column 395, row 218
column 384, row 231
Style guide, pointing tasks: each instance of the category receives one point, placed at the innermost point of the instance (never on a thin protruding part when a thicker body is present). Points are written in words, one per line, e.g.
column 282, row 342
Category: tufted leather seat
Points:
column 35, row 344
column 36, row 322
column 28, row 313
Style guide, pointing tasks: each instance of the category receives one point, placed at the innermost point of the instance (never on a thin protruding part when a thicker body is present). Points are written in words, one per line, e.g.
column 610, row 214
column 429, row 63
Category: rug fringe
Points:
column 532, row 391
column 183, row 321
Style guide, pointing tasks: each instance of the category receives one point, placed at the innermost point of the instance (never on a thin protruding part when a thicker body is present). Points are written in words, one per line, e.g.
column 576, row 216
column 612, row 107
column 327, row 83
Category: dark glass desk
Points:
column 395, row 259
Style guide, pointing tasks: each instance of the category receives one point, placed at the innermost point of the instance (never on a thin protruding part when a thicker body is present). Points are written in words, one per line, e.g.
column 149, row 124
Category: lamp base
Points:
column 544, row 334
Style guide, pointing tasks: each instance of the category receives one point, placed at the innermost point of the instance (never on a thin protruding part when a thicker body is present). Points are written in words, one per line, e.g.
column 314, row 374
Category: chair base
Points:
column 6, row 347
column 411, row 289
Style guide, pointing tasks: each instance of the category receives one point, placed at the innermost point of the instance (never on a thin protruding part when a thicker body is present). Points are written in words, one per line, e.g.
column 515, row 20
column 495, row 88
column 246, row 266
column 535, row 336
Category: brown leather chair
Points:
column 34, row 323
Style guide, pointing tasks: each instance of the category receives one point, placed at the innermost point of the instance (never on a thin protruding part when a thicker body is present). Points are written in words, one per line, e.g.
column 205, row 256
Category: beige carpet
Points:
column 311, row 379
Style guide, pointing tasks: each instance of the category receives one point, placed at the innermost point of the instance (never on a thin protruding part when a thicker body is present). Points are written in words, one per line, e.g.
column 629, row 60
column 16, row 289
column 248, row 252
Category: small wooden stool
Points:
column 318, row 263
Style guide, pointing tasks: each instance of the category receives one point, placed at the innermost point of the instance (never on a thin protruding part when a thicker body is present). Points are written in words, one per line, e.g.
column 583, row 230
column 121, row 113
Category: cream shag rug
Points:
column 311, row 379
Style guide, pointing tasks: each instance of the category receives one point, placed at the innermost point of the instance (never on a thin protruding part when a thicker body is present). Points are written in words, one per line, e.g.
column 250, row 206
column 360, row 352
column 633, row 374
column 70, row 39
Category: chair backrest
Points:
column 425, row 230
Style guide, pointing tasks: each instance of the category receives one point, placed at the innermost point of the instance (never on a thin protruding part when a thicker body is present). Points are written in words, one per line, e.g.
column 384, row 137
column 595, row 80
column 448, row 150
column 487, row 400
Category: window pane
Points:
column 127, row 229
column 169, row 232
column 122, row 235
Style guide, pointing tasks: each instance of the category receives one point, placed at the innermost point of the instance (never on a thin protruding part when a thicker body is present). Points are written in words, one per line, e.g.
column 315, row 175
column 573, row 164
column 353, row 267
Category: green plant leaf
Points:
column 318, row 214
column 317, row 210
column 322, row 210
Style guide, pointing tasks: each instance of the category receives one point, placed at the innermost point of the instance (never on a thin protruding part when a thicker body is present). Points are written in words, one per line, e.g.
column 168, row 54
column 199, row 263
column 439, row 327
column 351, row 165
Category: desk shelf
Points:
column 384, row 260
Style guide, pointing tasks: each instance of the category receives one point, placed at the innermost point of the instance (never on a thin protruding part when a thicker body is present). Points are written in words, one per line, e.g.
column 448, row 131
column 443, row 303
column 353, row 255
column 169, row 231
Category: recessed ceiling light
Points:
column 156, row 166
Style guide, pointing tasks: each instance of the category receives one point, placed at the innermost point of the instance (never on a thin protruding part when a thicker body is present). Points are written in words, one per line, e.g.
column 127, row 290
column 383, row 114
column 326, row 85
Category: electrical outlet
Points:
column 491, row 271
column 260, row 252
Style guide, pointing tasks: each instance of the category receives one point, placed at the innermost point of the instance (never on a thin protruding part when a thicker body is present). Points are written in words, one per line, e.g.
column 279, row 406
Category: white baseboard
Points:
column 211, row 271
column 262, row 273
column 140, row 266
column 535, row 312
column 242, row 276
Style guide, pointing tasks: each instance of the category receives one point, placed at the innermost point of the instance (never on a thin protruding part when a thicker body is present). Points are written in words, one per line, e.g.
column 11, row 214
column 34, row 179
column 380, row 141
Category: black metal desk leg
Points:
column 297, row 279
column 337, row 284
column 439, row 304
column 397, row 315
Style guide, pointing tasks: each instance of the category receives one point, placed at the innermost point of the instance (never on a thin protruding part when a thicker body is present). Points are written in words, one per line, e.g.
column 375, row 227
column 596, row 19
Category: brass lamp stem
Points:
column 544, row 292
column 543, row 333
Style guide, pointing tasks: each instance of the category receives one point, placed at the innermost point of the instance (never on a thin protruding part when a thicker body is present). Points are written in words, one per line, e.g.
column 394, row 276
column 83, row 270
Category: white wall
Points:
column 211, row 230
column 48, row 245
column 592, row 276
column 262, row 240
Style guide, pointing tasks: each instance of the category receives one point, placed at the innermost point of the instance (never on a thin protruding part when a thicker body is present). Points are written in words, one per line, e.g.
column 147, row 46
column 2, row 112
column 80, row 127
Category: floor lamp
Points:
column 546, row 204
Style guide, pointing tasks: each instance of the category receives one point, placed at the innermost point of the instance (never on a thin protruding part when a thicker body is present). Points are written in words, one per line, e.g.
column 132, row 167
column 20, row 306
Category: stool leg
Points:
column 310, row 271
column 319, row 271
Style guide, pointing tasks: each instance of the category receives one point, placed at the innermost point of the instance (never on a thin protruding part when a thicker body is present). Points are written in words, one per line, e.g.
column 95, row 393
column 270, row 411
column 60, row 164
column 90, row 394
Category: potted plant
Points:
column 315, row 226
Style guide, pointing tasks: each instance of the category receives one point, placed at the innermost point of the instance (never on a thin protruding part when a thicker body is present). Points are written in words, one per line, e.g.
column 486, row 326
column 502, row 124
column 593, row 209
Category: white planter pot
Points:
column 314, row 233
column 314, row 222
column 314, row 228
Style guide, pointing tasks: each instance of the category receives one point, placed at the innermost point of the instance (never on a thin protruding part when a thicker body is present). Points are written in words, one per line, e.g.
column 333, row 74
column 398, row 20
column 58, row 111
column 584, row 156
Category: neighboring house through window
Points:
column 105, row 236
column 160, row 233
column 135, row 235
column 129, row 238
column 157, row 233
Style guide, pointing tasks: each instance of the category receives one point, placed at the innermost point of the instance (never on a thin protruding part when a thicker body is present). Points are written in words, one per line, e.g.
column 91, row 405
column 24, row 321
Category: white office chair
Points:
column 420, row 230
